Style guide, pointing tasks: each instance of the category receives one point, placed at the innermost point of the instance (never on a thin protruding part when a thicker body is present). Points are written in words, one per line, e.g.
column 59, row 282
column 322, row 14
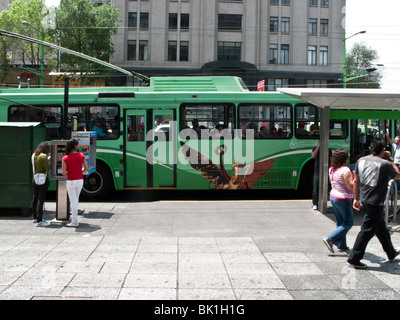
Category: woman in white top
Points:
column 341, row 197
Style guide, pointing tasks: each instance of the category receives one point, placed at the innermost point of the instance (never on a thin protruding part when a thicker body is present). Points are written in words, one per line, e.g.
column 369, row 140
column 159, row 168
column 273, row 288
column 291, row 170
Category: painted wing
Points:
column 208, row 169
column 255, row 171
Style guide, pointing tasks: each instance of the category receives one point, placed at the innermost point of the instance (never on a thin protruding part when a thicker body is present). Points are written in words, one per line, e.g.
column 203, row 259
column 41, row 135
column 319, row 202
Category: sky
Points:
column 381, row 21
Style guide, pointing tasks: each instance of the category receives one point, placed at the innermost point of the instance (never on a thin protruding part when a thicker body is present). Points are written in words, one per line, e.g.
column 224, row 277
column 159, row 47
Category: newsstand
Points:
column 18, row 140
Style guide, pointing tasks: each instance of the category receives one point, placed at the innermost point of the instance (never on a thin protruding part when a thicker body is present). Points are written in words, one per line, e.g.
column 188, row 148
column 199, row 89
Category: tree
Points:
column 359, row 60
column 33, row 12
column 83, row 26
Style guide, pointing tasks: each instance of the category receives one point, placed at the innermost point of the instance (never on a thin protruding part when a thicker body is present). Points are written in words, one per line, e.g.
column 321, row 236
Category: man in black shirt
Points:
column 370, row 186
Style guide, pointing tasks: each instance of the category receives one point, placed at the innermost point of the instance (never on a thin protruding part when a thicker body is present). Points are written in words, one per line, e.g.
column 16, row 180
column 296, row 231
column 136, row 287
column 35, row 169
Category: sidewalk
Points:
column 178, row 250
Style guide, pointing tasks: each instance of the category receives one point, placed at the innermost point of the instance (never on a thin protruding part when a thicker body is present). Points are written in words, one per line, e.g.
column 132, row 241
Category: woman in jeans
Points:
column 41, row 165
column 341, row 197
column 72, row 164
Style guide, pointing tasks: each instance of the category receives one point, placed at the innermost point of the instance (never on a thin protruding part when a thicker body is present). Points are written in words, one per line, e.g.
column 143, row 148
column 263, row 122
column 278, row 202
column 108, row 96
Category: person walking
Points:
column 72, row 164
column 370, row 187
column 396, row 148
column 341, row 197
column 40, row 164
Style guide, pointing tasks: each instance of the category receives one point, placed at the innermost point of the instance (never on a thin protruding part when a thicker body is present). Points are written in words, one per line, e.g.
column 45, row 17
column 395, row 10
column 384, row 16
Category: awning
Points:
column 371, row 99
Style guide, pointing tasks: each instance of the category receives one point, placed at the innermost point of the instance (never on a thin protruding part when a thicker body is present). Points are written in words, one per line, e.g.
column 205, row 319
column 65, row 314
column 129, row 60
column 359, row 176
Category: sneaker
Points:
column 396, row 254
column 315, row 207
column 344, row 249
column 43, row 223
column 328, row 244
column 72, row 224
column 34, row 221
column 357, row 265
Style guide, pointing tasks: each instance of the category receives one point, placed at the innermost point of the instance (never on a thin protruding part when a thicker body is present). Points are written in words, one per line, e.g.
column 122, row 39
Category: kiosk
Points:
column 87, row 145
column 57, row 152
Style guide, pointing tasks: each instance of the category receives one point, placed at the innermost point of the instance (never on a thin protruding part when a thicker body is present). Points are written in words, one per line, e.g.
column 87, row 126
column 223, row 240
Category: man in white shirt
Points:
column 396, row 149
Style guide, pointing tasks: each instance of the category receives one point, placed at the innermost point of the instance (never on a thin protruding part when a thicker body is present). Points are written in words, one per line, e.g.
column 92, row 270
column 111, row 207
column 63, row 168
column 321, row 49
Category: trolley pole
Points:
column 65, row 110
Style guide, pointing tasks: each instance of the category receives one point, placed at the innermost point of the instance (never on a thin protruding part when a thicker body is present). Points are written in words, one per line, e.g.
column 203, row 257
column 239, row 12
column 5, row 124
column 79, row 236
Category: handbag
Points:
column 38, row 178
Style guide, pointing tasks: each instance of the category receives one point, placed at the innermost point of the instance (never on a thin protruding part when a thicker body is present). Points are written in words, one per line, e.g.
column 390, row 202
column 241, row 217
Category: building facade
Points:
column 284, row 42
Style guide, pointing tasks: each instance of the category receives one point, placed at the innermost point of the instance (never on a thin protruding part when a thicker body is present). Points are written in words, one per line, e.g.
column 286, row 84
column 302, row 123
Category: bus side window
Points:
column 265, row 121
column 136, row 128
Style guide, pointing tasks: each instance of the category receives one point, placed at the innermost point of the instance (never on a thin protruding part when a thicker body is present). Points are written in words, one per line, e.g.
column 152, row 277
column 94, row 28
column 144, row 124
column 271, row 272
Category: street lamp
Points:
column 41, row 75
column 344, row 55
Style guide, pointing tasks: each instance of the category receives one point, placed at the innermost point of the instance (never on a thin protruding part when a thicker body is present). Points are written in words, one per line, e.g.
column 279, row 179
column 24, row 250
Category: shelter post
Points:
column 323, row 160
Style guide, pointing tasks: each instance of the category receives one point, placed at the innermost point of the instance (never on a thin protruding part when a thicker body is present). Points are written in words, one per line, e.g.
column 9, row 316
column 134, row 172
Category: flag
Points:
column 261, row 85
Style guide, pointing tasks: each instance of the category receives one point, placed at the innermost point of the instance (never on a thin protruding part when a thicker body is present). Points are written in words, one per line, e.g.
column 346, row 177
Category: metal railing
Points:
column 388, row 199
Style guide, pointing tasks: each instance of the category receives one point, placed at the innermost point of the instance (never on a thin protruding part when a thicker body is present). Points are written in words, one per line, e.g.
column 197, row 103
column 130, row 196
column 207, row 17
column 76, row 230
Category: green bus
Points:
column 184, row 133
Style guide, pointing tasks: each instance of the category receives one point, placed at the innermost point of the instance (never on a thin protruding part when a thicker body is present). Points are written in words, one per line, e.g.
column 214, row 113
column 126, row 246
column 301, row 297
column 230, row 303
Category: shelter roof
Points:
column 372, row 99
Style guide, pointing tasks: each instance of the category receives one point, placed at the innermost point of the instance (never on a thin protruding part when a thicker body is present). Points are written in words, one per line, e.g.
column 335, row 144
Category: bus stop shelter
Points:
column 341, row 104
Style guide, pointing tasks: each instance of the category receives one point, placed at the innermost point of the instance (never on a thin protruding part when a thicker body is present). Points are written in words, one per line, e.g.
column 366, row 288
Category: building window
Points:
column 324, row 3
column 313, row 2
column 132, row 20
column 285, row 25
column 143, row 50
column 229, row 51
column 286, row 2
column 131, row 50
column 324, row 27
column 284, row 54
column 184, row 51
column 274, row 83
column 185, row 21
column 273, row 24
column 312, row 26
column 172, row 50
column 144, row 21
column 323, row 56
column 230, row 22
column 273, row 53
column 317, row 83
column 312, row 55
column 173, row 21
column 274, row 1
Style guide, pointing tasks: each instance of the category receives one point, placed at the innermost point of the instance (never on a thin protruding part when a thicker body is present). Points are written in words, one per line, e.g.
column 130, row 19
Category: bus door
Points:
column 150, row 148
column 363, row 132
column 135, row 148
column 164, row 148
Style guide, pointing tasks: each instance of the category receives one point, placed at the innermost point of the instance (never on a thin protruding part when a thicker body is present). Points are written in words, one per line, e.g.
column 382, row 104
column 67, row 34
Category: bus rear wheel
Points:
column 99, row 184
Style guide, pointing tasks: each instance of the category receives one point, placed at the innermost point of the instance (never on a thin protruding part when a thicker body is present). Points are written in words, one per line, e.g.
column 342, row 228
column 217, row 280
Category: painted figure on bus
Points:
column 244, row 178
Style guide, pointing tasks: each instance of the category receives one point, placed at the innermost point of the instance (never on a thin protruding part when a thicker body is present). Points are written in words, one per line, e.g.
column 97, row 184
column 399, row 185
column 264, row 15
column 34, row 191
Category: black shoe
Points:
column 357, row 265
column 395, row 255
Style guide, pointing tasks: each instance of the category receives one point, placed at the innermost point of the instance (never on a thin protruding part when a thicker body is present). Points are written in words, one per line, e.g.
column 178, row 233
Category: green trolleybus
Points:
column 184, row 133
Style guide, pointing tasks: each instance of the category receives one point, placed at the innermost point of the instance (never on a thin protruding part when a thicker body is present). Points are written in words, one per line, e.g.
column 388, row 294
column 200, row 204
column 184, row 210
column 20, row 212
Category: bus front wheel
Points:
column 99, row 184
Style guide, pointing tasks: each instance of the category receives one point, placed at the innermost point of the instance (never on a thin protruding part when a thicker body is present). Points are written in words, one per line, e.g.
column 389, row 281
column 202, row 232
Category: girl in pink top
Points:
column 341, row 197
column 73, row 166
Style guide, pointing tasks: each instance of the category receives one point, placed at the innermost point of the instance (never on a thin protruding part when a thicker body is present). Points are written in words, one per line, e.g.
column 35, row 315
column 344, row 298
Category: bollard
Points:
column 387, row 201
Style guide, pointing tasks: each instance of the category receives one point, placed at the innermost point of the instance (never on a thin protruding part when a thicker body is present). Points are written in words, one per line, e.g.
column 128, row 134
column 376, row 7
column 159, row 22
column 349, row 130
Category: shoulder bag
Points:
column 38, row 178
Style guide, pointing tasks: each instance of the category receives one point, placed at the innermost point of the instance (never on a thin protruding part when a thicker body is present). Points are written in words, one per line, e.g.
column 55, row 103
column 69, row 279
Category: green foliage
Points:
column 83, row 26
column 361, row 58
column 33, row 12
